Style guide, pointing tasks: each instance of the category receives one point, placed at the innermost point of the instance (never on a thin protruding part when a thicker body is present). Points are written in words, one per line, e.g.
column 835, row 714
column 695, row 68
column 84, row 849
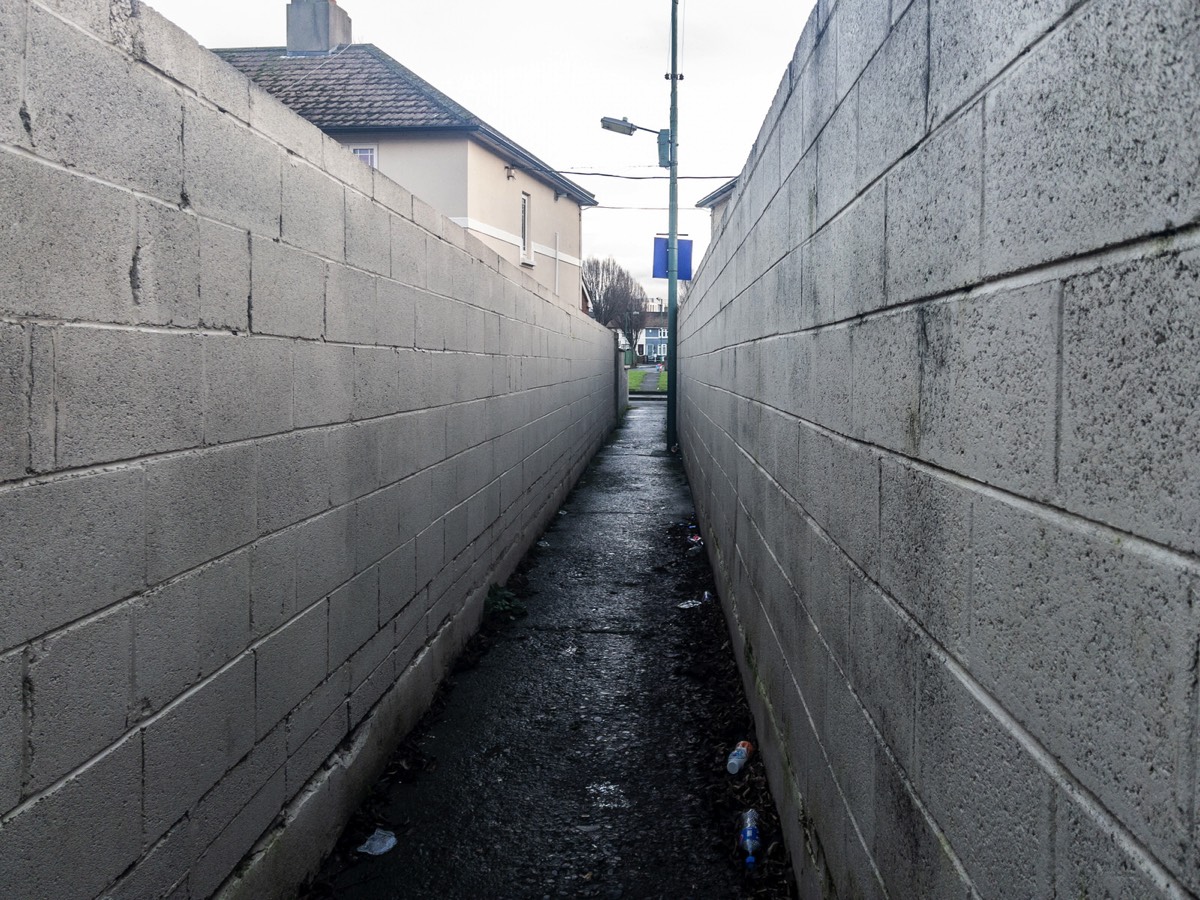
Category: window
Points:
column 526, row 231
column 365, row 153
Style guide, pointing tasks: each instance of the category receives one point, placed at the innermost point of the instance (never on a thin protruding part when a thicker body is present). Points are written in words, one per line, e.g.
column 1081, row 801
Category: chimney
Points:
column 316, row 27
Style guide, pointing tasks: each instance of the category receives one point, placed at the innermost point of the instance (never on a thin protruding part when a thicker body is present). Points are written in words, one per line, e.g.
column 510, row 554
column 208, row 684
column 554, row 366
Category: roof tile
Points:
column 358, row 86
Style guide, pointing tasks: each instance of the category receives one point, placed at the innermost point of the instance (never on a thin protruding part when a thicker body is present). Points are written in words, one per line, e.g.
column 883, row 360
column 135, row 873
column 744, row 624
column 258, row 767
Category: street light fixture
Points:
column 620, row 126
column 624, row 126
column 668, row 157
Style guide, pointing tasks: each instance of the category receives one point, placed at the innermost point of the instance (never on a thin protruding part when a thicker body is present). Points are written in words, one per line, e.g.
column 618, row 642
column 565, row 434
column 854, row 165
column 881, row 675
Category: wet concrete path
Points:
column 578, row 758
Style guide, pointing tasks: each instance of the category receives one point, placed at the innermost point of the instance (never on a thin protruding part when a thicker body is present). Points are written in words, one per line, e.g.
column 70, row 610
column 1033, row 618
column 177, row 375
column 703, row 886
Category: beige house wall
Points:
column 494, row 215
column 471, row 184
column 433, row 168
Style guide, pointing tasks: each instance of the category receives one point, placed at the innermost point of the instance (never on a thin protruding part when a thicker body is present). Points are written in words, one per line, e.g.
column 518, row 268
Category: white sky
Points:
column 543, row 72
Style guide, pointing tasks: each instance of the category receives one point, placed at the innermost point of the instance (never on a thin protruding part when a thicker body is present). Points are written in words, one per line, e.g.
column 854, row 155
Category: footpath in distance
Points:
column 582, row 753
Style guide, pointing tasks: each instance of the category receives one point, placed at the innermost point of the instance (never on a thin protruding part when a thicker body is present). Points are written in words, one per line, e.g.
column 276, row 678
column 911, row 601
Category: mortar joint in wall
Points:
column 29, row 398
column 928, row 62
column 23, row 26
column 135, row 274
column 1193, row 767
column 140, row 710
column 27, row 714
column 185, row 201
column 1060, row 303
column 54, row 396
column 325, row 307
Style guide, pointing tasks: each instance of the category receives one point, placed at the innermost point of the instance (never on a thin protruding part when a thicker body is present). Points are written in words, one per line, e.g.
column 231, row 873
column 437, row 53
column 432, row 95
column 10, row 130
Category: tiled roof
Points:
column 359, row 87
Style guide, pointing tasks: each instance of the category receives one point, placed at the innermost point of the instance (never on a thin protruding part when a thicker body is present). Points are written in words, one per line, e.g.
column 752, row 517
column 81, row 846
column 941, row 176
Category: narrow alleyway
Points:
column 583, row 753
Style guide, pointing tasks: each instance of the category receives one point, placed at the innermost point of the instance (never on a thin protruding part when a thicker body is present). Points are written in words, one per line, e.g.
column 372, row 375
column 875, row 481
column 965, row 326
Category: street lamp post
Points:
column 668, row 143
column 673, row 239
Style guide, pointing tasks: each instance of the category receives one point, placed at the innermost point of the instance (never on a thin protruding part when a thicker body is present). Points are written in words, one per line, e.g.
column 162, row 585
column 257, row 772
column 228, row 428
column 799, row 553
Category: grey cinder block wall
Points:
column 939, row 409
column 269, row 426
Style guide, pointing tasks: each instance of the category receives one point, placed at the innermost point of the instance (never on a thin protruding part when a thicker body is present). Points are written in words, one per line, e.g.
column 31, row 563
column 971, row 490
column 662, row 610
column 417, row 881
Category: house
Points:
column 650, row 341
column 401, row 124
column 718, row 204
column 653, row 339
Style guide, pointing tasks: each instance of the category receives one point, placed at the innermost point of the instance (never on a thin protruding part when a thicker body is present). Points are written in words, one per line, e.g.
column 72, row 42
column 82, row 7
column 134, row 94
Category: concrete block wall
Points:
column 939, row 380
column 269, row 427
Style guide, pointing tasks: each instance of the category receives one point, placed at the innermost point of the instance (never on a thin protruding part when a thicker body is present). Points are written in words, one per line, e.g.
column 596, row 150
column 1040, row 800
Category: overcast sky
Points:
column 543, row 72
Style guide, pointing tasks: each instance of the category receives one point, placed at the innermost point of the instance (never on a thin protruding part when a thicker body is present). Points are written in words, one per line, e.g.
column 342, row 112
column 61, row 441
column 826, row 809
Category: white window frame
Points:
column 526, row 230
column 359, row 149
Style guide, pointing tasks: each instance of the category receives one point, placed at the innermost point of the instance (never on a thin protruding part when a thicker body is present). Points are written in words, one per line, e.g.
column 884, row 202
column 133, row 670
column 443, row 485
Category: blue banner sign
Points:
column 685, row 258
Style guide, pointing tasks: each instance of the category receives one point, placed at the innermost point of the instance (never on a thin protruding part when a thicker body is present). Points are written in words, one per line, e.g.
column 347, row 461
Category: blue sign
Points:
column 685, row 258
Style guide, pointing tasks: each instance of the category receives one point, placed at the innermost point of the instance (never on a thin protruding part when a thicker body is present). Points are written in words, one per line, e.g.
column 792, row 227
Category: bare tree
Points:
column 633, row 320
column 618, row 301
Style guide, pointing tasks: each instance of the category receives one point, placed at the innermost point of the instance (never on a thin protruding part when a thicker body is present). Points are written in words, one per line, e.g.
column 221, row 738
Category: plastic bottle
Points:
column 738, row 757
column 748, row 839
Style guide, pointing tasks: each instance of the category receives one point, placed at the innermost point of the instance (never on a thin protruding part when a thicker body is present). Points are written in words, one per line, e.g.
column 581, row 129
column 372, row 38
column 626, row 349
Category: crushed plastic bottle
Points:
column 738, row 757
column 748, row 840
column 379, row 843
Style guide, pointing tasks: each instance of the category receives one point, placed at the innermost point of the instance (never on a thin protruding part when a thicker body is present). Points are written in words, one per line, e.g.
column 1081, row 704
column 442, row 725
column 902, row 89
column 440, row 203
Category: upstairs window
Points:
column 366, row 154
column 526, row 231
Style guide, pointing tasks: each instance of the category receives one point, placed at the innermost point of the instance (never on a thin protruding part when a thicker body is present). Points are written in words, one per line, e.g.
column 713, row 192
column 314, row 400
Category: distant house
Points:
column 718, row 204
column 650, row 341
column 401, row 124
column 654, row 337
